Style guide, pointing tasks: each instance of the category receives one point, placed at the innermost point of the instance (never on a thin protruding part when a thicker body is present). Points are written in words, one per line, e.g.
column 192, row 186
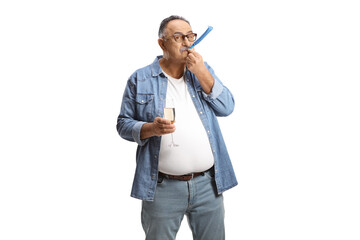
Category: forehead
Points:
column 178, row 26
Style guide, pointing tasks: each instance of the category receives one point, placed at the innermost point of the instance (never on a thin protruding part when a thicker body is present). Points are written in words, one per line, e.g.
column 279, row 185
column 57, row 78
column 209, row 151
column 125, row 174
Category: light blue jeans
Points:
column 197, row 199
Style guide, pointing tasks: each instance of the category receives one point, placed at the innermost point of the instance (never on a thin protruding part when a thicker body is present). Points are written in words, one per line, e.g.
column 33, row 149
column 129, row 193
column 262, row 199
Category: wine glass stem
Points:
column 172, row 142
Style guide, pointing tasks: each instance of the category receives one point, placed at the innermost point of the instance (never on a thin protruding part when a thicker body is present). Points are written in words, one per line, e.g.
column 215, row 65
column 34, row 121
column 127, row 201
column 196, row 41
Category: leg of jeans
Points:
column 161, row 219
column 206, row 212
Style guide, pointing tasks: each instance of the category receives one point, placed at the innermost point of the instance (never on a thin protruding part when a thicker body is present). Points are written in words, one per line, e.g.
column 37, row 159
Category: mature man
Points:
column 189, row 178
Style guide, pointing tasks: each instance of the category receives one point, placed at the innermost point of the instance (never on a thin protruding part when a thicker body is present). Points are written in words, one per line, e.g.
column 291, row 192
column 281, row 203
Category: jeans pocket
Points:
column 210, row 174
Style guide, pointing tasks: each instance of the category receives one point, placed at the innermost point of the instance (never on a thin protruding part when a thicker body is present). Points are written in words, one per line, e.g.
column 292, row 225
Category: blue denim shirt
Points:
column 143, row 101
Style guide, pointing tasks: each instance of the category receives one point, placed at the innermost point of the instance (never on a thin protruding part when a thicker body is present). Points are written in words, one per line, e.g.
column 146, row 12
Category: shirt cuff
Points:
column 215, row 91
column 136, row 133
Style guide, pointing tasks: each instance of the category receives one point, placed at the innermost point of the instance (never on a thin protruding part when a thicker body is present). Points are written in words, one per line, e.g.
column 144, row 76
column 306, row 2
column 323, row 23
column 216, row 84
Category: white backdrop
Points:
column 293, row 67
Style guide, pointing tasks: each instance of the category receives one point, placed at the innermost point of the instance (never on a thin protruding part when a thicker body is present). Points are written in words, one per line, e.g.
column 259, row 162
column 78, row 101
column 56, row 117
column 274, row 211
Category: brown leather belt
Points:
column 183, row 177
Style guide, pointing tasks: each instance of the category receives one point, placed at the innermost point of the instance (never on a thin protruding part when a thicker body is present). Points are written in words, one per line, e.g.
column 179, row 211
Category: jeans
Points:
column 196, row 198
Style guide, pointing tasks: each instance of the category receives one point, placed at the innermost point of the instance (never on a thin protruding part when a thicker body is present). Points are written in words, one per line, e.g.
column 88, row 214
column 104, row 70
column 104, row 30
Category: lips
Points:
column 183, row 49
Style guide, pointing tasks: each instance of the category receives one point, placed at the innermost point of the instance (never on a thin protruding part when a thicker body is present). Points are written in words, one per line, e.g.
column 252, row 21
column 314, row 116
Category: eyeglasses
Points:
column 179, row 37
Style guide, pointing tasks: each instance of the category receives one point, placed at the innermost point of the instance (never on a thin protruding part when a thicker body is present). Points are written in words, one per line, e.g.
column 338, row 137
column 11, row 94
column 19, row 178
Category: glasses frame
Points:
column 183, row 37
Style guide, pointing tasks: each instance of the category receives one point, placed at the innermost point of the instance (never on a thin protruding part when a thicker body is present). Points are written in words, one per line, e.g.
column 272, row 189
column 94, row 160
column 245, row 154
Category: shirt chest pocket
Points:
column 145, row 106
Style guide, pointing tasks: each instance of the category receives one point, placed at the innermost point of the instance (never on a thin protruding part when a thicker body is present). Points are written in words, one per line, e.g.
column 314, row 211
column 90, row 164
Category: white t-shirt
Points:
column 194, row 152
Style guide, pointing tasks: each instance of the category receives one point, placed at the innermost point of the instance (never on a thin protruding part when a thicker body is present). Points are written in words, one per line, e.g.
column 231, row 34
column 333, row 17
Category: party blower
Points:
column 199, row 39
column 202, row 37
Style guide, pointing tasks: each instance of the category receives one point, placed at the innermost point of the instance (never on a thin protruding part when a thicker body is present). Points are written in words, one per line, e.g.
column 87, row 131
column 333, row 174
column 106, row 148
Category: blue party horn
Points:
column 202, row 37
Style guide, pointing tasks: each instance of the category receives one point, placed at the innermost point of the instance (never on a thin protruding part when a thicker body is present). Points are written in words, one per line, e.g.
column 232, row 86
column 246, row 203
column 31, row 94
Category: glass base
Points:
column 173, row 145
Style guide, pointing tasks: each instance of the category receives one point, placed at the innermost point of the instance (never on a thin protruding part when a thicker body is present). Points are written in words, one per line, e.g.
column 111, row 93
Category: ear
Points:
column 161, row 43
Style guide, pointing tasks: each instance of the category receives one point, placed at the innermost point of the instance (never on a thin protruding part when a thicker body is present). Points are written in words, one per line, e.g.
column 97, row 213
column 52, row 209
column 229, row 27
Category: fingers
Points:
column 193, row 57
column 166, row 129
column 190, row 60
column 160, row 120
column 163, row 126
column 190, row 50
column 192, row 54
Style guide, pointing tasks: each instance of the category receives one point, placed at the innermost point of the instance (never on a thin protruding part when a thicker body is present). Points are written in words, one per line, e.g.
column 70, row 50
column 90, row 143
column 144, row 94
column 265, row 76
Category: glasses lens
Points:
column 178, row 37
column 191, row 37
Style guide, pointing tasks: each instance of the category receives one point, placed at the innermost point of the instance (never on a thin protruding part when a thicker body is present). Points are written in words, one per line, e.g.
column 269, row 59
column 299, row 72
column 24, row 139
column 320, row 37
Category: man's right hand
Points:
column 160, row 126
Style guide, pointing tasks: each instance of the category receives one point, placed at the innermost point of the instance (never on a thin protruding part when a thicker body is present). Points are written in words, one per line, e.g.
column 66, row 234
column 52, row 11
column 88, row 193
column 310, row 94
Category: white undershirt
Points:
column 194, row 152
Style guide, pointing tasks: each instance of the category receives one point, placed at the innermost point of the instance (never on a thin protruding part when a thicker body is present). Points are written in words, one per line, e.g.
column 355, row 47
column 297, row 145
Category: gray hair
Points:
column 165, row 22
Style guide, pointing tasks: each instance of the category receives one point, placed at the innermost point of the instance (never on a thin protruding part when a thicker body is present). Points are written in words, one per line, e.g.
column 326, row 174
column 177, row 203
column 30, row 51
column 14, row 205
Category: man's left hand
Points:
column 195, row 62
column 196, row 65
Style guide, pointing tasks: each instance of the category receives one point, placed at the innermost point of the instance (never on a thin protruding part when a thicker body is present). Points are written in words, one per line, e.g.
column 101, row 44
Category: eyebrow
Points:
column 182, row 33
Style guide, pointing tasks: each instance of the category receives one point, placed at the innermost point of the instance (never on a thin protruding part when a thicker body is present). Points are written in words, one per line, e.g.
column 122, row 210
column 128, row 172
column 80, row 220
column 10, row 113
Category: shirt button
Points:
column 200, row 112
column 193, row 96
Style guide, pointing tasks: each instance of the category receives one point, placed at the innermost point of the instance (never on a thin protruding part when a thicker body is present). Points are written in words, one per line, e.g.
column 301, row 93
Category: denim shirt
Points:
column 143, row 101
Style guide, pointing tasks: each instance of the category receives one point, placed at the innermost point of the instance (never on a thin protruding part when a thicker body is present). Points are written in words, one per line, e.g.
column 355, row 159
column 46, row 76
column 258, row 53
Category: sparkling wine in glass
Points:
column 169, row 113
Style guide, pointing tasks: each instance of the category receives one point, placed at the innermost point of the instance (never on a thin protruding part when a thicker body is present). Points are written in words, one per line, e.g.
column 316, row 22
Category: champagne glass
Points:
column 169, row 113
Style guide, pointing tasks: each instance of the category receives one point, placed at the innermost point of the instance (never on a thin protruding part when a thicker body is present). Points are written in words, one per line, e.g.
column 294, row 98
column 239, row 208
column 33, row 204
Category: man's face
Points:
column 170, row 46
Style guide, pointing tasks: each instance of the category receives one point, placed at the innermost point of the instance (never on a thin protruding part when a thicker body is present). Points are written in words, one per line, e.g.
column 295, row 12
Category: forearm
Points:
column 196, row 65
column 220, row 99
column 206, row 80
column 130, row 130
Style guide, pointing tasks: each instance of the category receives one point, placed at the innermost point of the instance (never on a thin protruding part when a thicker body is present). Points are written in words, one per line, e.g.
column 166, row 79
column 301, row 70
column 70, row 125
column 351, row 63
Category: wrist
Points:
column 201, row 70
column 152, row 129
column 147, row 131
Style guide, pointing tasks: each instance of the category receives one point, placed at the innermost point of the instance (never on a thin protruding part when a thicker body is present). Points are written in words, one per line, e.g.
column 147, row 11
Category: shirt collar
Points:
column 155, row 67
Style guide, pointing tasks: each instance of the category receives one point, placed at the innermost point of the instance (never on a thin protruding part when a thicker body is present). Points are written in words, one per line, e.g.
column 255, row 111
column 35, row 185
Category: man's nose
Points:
column 186, row 42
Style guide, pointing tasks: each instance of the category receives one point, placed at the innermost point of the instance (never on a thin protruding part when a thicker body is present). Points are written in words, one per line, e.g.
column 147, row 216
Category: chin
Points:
column 180, row 58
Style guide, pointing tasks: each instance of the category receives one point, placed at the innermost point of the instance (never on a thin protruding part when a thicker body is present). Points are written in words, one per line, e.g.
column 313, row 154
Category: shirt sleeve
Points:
column 127, row 126
column 220, row 99
column 215, row 91
column 136, row 130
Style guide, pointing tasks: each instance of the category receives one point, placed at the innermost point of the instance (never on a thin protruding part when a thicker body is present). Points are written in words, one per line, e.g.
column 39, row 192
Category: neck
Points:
column 174, row 69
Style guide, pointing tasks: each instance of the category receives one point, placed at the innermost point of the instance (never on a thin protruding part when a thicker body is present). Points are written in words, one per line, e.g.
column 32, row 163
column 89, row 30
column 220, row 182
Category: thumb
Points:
column 157, row 119
column 190, row 50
